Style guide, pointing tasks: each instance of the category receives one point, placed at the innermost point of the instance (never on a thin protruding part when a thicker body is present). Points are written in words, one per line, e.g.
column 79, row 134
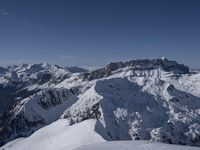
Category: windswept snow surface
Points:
column 59, row 136
column 135, row 145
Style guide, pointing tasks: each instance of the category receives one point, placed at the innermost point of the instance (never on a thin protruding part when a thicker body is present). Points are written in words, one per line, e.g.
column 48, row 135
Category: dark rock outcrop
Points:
column 143, row 64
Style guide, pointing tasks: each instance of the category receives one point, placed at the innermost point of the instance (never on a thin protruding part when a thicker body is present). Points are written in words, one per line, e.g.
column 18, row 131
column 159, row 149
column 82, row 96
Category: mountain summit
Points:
column 143, row 64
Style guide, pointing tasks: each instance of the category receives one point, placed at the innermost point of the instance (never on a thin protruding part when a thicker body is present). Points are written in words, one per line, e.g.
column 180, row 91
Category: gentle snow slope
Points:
column 58, row 136
column 135, row 145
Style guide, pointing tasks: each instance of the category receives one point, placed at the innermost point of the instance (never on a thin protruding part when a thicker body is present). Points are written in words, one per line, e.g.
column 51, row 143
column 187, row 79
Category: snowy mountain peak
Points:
column 140, row 64
column 20, row 81
column 164, row 58
column 29, row 71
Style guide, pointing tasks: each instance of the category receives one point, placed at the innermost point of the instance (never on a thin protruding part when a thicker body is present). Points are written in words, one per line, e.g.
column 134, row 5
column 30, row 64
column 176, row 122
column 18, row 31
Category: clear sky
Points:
column 96, row 32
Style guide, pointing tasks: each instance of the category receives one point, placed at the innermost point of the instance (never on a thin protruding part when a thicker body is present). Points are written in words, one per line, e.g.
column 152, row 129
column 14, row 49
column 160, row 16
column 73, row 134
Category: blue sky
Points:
column 96, row 32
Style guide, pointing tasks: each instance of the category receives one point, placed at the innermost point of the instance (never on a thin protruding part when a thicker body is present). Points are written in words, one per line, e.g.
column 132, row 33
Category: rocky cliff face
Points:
column 155, row 100
column 164, row 64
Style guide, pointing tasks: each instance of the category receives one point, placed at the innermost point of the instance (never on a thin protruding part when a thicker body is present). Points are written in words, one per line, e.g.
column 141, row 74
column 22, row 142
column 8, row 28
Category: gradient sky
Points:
column 96, row 32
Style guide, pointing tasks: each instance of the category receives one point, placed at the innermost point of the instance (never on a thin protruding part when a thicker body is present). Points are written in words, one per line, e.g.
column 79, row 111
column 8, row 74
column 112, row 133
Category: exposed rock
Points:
column 145, row 64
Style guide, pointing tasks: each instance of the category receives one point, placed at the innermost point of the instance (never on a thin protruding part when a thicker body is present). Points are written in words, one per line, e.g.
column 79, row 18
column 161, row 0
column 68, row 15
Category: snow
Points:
column 81, row 136
column 32, row 108
column 134, row 145
column 25, row 72
column 143, row 102
column 58, row 136
column 164, row 58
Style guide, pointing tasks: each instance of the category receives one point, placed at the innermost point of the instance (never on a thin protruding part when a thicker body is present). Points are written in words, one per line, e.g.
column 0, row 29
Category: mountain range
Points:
column 148, row 99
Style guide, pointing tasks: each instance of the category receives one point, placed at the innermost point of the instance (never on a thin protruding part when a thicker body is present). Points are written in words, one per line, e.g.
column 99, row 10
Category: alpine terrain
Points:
column 49, row 107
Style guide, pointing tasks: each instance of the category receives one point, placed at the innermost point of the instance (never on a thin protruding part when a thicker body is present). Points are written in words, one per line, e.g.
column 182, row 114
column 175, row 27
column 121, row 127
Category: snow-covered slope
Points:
column 129, row 110
column 59, row 136
column 147, row 102
column 155, row 100
column 81, row 136
column 28, row 100
column 35, row 112
column 19, row 82
column 134, row 145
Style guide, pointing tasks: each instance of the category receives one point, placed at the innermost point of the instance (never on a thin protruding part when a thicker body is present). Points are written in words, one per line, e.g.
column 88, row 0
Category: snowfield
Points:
column 83, row 136
column 59, row 136
column 135, row 145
